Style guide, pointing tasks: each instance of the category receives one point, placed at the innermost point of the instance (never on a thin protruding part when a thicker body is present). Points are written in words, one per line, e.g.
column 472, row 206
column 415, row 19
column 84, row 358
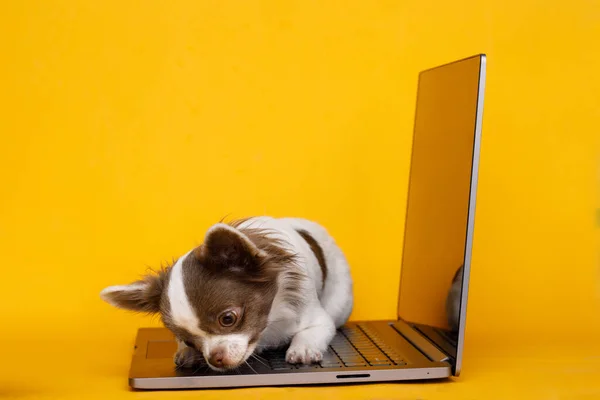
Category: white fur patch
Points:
column 182, row 313
column 235, row 347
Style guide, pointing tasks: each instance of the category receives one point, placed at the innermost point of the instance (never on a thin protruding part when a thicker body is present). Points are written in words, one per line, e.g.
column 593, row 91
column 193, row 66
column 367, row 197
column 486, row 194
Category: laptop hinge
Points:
column 420, row 342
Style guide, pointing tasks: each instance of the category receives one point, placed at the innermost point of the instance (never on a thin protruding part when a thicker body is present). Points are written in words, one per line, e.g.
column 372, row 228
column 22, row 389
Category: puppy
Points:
column 253, row 284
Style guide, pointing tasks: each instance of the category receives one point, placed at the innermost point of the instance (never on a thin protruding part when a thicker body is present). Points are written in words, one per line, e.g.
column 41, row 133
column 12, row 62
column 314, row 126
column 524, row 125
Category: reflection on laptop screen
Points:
column 439, row 190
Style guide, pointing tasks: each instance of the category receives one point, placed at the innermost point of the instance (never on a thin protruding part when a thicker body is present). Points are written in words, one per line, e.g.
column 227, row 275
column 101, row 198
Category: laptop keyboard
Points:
column 352, row 346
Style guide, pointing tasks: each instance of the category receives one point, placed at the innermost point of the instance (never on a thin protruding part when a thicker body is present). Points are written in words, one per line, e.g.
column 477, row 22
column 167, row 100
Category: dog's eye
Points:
column 228, row 318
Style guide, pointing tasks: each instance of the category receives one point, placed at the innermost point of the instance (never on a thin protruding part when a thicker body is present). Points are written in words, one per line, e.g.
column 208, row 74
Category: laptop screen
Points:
column 440, row 205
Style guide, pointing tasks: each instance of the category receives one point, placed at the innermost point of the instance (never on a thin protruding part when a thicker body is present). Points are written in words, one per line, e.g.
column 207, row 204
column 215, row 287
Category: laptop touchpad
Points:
column 161, row 349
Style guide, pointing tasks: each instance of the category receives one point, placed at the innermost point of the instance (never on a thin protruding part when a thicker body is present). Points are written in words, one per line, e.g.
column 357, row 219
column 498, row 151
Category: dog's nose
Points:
column 216, row 358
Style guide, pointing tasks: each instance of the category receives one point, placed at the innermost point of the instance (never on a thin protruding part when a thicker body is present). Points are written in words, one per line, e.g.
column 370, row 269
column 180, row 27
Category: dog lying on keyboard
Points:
column 253, row 284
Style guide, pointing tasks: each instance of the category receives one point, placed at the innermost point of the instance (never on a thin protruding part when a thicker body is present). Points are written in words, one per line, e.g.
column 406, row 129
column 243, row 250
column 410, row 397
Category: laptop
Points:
column 426, row 340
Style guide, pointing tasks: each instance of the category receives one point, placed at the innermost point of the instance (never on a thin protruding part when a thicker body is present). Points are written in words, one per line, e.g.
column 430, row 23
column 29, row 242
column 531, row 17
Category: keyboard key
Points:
column 374, row 350
column 354, row 361
column 330, row 363
column 341, row 340
column 371, row 351
column 381, row 364
column 374, row 355
column 341, row 344
column 349, row 355
column 345, row 357
column 367, row 346
column 362, row 342
column 368, row 350
column 355, row 364
column 345, row 351
column 377, row 359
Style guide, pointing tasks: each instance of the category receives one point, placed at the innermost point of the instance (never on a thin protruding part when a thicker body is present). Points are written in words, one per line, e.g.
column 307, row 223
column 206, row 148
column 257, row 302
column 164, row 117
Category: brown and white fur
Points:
column 253, row 284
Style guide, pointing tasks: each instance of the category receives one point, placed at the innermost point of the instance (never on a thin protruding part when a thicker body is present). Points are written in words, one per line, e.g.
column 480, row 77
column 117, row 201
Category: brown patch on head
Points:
column 212, row 293
column 317, row 250
column 234, row 270
column 293, row 278
column 237, row 268
column 264, row 240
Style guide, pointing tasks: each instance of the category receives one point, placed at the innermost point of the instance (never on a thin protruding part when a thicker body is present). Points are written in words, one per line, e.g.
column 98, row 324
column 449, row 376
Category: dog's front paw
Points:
column 302, row 354
column 187, row 357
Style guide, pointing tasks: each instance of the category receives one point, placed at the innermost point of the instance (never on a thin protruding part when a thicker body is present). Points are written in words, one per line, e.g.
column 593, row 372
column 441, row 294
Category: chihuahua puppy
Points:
column 252, row 285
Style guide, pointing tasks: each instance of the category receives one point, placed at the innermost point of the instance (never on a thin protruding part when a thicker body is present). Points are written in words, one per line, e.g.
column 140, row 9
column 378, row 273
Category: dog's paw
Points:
column 187, row 357
column 301, row 354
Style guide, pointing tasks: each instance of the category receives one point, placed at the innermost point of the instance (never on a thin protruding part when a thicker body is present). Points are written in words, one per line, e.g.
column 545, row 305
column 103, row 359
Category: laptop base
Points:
column 372, row 351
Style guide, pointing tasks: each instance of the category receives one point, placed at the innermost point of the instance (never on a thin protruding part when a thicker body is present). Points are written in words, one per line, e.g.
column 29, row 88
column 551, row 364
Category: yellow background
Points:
column 127, row 128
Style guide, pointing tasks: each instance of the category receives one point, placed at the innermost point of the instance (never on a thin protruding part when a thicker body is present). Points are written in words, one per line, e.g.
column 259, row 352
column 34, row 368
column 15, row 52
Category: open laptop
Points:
column 421, row 343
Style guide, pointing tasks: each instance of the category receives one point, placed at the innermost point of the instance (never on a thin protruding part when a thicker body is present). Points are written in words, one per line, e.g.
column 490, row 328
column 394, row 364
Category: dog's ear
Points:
column 227, row 247
column 141, row 296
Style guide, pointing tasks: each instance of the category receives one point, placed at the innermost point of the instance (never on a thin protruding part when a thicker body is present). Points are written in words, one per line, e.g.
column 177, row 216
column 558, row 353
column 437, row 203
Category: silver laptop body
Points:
column 426, row 341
